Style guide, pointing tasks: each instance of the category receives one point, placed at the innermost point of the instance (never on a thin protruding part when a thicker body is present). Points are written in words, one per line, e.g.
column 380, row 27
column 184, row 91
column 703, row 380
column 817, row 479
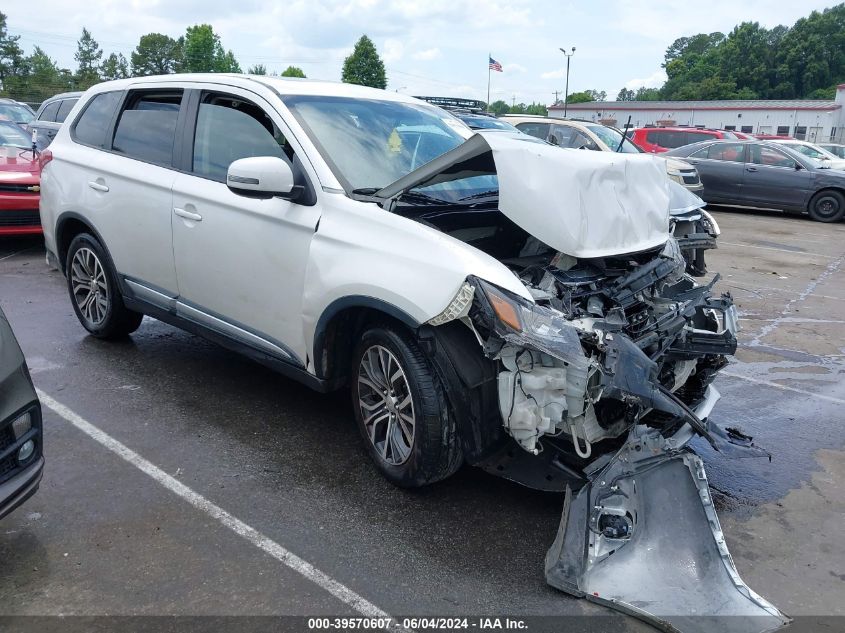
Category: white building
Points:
column 813, row 120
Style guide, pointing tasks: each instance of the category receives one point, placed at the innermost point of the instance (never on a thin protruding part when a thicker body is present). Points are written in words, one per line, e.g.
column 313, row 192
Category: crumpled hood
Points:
column 585, row 204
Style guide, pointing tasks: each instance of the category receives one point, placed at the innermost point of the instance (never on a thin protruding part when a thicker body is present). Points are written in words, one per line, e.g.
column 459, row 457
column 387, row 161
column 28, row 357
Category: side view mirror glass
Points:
column 262, row 177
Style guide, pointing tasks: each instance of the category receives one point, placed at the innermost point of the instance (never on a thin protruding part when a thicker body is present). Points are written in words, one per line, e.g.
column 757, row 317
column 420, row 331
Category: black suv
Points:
column 21, row 460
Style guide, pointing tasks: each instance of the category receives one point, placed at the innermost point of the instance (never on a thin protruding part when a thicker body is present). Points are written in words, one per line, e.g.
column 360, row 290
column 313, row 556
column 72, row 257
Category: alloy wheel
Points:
column 89, row 286
column 387, row 408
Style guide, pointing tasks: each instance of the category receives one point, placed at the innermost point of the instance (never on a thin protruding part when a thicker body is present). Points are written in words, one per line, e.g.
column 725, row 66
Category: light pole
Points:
column 566, row 91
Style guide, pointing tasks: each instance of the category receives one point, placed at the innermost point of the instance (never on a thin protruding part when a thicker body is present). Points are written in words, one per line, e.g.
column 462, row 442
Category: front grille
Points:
column 13, row 188
column 27, row 217
column 7, row 466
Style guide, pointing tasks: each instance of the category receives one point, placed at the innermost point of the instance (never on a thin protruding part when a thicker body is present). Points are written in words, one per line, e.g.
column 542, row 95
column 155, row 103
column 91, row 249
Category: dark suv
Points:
column 21, row 460
column 51, row 115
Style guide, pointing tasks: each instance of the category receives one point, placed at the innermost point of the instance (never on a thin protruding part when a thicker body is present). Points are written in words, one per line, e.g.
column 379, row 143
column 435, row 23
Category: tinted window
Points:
column 732, row 152
column 762, row 155
column 229, row 129
column 91, row 126
column 540, row 130
column 747, row 129
column 147, row 126
column 783, row 130
column 49, row 111
column 64, row 109
column 696, row 137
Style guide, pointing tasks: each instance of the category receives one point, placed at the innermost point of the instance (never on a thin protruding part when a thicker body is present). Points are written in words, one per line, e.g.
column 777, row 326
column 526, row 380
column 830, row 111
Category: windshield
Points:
column 13, row 136
column 487, row 123
column 611, row 138
column 16, row 112
column 369, row 144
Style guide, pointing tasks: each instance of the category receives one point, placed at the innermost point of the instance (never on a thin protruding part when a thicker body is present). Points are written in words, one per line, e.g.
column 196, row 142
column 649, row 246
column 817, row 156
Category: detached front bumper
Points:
column 20, row 487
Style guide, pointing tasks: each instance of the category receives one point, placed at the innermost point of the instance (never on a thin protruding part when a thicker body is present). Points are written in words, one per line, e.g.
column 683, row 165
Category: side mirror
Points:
column 263, row 177
column 798, row 167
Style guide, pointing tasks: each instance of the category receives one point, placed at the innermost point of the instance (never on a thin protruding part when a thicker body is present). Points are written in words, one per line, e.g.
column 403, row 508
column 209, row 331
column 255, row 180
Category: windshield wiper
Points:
column 484, row 194
column 420, row 198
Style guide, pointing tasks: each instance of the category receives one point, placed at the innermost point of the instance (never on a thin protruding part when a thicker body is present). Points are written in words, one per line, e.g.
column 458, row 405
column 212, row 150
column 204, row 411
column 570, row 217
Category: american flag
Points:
column 494, row 65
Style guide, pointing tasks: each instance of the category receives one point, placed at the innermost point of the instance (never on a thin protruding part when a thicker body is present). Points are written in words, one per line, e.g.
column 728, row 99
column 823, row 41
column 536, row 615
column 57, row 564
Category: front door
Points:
column 720, row 167
column 240, row 261
column 772, row 178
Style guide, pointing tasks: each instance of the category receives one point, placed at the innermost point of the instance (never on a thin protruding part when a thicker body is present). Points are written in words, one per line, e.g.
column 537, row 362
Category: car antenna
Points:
column 624, row 134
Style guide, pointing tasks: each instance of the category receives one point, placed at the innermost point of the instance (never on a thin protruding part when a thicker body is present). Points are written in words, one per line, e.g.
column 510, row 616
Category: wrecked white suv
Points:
column 485, row 298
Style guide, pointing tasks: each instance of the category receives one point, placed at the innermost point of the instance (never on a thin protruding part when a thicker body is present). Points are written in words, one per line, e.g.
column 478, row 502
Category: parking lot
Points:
column 266, row 468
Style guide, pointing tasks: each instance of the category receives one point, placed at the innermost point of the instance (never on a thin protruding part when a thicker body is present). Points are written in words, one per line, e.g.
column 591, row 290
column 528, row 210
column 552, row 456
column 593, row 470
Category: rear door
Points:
column 721, row 167
column 128, row 189
column 772, row 178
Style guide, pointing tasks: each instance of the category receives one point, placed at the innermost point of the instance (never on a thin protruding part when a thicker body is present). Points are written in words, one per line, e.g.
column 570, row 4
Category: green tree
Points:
column 293, row 71
column 157, row 54
column 115, row 67
column 204, row 52
column 626, row 95
column 45, row 78
column 87, row 56
column 537, row 109
column 597, row 95
column 499, row 107
column 13, row 65
column 364, row 66
column 581, row 97
column 647, row 94
column 258, row 69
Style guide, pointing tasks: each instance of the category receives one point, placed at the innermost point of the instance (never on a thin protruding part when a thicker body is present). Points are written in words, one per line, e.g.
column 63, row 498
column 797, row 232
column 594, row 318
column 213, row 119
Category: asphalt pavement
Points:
column 283, row 485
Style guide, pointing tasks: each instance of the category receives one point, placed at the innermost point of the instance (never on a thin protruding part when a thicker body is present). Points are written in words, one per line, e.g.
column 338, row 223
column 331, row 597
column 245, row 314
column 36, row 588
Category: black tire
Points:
column 827, row 206
column 109, row 318
column 435, row 451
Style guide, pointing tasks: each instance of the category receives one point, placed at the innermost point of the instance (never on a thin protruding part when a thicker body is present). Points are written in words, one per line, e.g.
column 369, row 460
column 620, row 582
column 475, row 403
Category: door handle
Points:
column 188, row 215
column 750, row 169
column 98, row 186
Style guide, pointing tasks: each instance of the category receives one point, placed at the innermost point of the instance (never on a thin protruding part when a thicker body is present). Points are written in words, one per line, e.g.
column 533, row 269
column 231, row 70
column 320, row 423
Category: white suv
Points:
column 483, row 296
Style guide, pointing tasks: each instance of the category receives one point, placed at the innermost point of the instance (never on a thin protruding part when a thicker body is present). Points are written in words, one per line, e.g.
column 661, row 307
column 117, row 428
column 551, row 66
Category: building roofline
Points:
column 674, row 106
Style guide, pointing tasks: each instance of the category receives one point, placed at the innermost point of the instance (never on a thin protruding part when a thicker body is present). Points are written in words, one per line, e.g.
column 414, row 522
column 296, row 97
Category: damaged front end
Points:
column 601, row 367
column 608, row 375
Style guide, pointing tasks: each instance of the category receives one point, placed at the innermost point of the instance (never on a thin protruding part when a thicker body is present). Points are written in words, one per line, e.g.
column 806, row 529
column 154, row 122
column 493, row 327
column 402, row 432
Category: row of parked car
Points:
column 721, row 166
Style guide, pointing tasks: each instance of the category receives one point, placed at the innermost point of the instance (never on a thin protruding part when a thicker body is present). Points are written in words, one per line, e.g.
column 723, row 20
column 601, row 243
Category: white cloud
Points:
column 654, row 80
column 428, row 54
column 392, row 51
column 554, row 74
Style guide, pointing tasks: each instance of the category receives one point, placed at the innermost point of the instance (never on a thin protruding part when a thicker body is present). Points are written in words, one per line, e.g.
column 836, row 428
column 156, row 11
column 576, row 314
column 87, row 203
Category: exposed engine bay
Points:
column 603, row 377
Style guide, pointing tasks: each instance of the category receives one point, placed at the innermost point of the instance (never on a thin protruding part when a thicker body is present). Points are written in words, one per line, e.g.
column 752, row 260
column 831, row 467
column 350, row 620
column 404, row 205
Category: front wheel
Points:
column 401, row 410
column 827, row 206
column 92, row 284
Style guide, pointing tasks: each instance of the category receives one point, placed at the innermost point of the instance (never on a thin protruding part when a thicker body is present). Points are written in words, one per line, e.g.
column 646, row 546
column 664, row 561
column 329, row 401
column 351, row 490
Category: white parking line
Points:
column 294, row 562
column 776, row 385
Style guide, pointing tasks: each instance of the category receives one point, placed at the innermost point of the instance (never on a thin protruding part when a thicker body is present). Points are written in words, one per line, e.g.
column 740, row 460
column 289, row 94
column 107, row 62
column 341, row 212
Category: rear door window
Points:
column 49, row 112
column 64, row 109
column 92, row 124
column 230, row 128
column 731, row 152
column 146, row 129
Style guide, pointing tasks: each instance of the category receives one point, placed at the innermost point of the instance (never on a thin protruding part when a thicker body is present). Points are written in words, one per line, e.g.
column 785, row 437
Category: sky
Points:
column 430, row 47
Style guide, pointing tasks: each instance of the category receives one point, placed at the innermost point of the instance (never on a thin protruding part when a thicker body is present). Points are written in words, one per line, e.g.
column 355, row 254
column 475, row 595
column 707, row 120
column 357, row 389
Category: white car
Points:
column 815, row 152
column 484, row 297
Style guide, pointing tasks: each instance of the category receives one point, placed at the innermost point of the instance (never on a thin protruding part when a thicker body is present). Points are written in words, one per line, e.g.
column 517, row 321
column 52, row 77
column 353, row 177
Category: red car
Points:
column 662, row 139
column 20, row 177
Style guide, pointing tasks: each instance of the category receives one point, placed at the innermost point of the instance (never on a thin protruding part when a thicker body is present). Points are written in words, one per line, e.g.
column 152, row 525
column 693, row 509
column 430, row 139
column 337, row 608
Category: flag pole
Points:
column 489, row 57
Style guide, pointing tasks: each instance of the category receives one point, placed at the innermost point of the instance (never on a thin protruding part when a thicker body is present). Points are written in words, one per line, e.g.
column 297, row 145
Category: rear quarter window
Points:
column 49, row 112
column 91, row 126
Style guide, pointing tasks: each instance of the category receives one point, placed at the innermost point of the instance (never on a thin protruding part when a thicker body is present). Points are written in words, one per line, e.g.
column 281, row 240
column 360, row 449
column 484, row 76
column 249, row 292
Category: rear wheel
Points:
column 401, row 410
column 827, row 206
column 92, row 285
